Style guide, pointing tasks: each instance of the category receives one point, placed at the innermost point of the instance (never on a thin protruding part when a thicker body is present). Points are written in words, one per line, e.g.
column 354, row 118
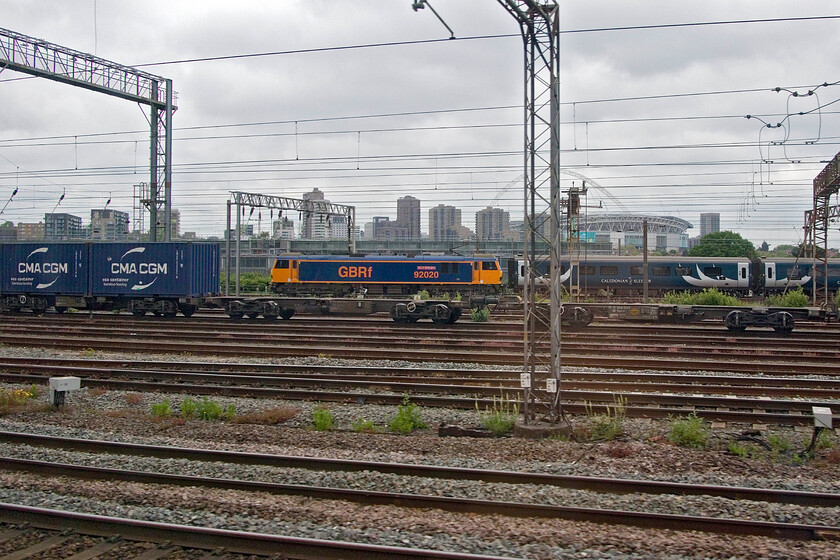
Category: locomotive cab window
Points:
column 682, row 271
column 489, row 265
column 660, row 270
column 609, row 270
column 281, row 263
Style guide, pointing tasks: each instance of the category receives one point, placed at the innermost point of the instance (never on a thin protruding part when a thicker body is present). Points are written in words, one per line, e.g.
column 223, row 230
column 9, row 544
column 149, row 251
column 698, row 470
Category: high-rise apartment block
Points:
column 709, row 223
column 445, row 224
column 62, row 227
column 108, row 225
column 408, row 215
column 492, row 224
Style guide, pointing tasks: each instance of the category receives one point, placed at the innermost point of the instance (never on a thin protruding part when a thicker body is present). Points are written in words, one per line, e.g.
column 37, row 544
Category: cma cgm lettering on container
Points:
column 44, row 267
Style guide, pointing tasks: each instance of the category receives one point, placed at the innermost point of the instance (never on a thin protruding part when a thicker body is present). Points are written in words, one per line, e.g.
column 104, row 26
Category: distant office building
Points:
column 709, row 223
column 30, row 232
column 284, row 228
column 314, row 226
column 108, row 225
column 175, row 221
column 62, row 227
column 386, row 230
column 8, row 232
column 408, row 215
column 445, row 224
column 492, row 224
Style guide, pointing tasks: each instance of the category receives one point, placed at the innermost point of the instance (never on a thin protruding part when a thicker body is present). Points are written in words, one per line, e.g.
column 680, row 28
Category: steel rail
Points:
column 576, row 402
column 792, row 531
column 591, row 355
column 484, row 385
column 259, row 544
column 672, row 334
column 634, row 396
column 601, row 402
column 594, row 484
column 235, row 368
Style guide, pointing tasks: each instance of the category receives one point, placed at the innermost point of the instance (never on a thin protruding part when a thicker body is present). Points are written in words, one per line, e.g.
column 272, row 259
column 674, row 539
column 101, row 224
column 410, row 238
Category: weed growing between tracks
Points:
column 688, row 431
column 16, row 399
column 607, row 426
column 501, row 417
column 322, row 418
column 205, row 409
column 408, row 418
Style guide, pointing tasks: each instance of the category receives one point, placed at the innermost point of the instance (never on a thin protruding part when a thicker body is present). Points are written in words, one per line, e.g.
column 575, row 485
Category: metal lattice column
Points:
column 826, row 184
column 45, row 60
column 539, row 24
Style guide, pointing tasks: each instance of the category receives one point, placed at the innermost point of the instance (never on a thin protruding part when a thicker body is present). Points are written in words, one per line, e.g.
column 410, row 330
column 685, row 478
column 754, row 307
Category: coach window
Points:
column 609, row 270
column 682, row 271
column 636, row 270
column 587, row 270
column 713, row 271
column 794, row 274
column 660, row 270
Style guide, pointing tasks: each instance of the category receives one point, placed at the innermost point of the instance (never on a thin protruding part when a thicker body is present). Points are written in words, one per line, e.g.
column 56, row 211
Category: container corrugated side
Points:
column 44, row 268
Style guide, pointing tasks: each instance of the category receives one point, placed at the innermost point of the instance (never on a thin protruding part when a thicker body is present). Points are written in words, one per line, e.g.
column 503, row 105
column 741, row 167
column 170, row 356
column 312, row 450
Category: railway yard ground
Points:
column 628, row 484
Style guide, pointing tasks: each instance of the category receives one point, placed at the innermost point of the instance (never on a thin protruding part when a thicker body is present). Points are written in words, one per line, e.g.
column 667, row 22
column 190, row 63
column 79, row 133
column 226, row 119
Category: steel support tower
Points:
column 45, row 60
column 826, row 184
column 308, row 207
column 539, row 25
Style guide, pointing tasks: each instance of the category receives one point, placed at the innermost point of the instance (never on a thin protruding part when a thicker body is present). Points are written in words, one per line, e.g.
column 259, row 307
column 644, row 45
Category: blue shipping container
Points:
column 154, row 269
column 44, row 268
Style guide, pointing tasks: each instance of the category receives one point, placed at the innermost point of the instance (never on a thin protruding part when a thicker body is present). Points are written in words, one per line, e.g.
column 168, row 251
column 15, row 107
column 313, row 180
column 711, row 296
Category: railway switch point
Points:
column 59, row 386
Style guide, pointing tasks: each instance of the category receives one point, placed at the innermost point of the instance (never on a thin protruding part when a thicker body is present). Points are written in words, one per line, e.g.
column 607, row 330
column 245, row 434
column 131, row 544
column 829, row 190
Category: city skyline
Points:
column 666, row 109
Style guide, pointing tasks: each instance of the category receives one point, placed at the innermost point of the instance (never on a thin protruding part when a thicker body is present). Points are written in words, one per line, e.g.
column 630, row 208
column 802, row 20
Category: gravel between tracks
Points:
column 643, row 453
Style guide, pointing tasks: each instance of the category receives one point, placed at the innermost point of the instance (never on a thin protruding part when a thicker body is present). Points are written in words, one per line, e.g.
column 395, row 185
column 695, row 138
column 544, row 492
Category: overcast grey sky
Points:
column 655, row 116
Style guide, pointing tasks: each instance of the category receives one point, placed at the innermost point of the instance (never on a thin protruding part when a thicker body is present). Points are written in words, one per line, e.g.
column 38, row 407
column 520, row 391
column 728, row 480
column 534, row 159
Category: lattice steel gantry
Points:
column 45, row 60
column 539, row 24
column 826, row 184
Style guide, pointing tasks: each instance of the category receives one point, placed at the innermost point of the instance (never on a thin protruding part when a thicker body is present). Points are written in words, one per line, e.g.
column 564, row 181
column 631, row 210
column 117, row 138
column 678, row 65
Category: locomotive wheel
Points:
column 287, row 314
column 60, row 309
column 138, row 312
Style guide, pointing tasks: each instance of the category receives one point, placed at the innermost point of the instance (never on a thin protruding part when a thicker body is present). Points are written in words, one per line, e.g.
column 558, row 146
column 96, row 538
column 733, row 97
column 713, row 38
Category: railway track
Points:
column 664, row 396
column 459, row 504
column 54, row 532
column 679, row 349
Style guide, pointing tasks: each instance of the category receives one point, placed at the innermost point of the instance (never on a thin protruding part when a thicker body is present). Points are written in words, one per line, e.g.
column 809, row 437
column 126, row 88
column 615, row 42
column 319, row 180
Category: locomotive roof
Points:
column 432, row 258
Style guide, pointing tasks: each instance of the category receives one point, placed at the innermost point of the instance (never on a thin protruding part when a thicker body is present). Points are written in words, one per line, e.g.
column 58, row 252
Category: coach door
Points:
column 744, row 275
column 770, row 275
